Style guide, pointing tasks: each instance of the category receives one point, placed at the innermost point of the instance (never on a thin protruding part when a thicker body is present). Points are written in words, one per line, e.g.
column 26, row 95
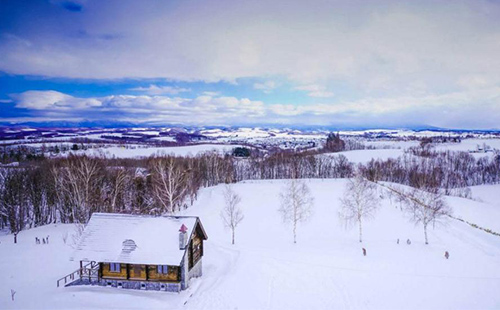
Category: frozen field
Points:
column 364, row 156
column 144, row 151
column 265, row 270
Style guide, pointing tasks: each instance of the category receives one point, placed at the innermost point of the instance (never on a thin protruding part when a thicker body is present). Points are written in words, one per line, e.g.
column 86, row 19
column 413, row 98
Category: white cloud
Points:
column 266, row 87
column 405, row 57
column 211, row 93
column 202, row 109
column 161, row 90
column 44, row 100
column 314, row 90
column 453, row 110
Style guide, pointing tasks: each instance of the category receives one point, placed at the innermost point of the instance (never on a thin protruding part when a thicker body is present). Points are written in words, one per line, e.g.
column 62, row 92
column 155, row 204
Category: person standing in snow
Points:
column 364, row 252
column 446, row 254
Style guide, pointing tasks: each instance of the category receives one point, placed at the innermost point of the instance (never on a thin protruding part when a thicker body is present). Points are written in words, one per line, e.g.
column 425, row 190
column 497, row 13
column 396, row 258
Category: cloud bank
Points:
column 455, row 110
column 429, row 62
column 390, row 42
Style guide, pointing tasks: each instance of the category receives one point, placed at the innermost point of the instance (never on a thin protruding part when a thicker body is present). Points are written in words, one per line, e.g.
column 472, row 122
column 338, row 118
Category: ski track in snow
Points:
column 206, row 293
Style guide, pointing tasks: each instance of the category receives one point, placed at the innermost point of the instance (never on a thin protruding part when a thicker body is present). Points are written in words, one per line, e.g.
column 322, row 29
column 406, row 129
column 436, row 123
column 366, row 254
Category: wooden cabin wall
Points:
column 195, row 247
column 172, row 275
column 138, row 272
column 107, row 274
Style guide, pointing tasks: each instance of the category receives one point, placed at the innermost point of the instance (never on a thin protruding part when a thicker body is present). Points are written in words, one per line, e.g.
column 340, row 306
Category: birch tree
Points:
column 296, row 204
column 360, row 202
column 425, row 207
column 231, row 214
column 79, row 183
column 169, row 182
column 118, row 179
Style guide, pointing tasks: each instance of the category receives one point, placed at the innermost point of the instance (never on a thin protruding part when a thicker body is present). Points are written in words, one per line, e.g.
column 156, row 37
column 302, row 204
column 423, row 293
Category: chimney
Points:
column 183, row 237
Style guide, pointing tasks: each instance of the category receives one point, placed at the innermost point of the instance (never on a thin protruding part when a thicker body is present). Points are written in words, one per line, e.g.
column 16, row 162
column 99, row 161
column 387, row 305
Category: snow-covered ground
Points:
column 472, row 146
column 146, row 151
column 364, row 156
column 265, row 270
column 487, row 193
column 385, row 149
column 391, row 144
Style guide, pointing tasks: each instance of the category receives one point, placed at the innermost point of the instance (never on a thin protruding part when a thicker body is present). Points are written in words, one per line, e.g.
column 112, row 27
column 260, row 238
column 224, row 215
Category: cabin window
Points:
column 162, row 269
column 114, row 267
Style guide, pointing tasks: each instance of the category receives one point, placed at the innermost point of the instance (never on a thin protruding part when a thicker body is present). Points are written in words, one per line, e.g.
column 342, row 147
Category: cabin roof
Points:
column 134, row 239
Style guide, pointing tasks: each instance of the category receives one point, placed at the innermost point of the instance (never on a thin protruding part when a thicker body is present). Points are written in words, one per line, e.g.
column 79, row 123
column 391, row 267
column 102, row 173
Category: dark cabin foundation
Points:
column 130, row 284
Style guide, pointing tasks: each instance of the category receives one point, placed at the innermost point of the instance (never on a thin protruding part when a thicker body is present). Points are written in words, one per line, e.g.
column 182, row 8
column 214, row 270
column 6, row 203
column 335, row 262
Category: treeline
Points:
column 70, row 189
column 423, row 168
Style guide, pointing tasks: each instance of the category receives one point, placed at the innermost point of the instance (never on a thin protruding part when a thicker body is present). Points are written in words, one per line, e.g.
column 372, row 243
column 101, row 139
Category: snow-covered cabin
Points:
column 140, row 251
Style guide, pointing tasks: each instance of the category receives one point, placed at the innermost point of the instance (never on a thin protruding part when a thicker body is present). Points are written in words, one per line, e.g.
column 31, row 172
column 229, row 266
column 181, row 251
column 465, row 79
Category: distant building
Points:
column 139, row 252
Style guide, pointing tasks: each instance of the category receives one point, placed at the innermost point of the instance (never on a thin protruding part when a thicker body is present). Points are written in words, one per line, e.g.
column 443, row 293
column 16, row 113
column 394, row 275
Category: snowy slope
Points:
column 326, row 269
column 467, row 145
column 146, row 151
column 364, row 156
column 265, row 270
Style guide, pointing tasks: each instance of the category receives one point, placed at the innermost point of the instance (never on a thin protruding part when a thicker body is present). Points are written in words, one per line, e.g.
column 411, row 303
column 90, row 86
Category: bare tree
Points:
column 13, row 201
column 231, row 214
column 426, row 207
column 78, row 184
column 296, row 204
column 169, row 183
column 360, row 202
column 118, row 180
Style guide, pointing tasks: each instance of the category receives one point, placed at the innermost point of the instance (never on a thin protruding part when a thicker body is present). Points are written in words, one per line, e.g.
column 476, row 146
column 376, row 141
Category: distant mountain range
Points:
column 118, row 124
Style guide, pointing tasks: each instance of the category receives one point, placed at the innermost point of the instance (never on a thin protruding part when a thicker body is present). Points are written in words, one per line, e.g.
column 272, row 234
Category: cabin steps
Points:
column 88, row 272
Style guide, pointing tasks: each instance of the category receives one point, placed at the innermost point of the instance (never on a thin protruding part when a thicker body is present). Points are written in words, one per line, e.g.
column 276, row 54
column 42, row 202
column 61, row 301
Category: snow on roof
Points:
column 133, row 239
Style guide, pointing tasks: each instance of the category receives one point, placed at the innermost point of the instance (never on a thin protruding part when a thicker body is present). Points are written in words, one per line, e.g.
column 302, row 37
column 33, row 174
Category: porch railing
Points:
column 89, row 271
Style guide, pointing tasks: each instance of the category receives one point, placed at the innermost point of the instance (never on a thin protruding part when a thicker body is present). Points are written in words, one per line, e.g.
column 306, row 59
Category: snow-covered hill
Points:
column 265, row 270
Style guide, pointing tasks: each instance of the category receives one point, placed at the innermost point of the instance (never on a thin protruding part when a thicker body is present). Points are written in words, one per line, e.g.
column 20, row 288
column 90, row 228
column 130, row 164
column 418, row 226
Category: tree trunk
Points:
column 425, row 233
column 233, row 236
column 360, row 231
column 15, row 238
column 295, row 232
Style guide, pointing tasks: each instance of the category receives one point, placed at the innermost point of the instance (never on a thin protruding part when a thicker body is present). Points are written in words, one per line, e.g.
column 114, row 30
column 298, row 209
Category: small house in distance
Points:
column 139, row 252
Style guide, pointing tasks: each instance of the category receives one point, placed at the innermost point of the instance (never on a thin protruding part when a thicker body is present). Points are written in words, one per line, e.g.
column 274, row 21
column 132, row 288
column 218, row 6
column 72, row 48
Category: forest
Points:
column 43, row 190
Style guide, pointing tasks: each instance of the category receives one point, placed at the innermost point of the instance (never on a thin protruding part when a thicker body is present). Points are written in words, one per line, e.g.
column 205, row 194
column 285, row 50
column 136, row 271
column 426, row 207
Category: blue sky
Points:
column 221, row 62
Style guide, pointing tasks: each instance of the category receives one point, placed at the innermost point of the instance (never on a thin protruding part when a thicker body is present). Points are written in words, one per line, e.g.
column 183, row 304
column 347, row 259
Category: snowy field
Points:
column 364, row 156
column 145, row 151
column 394, row 149
column 265, row 270
column 391, row 144
column 467, row 145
